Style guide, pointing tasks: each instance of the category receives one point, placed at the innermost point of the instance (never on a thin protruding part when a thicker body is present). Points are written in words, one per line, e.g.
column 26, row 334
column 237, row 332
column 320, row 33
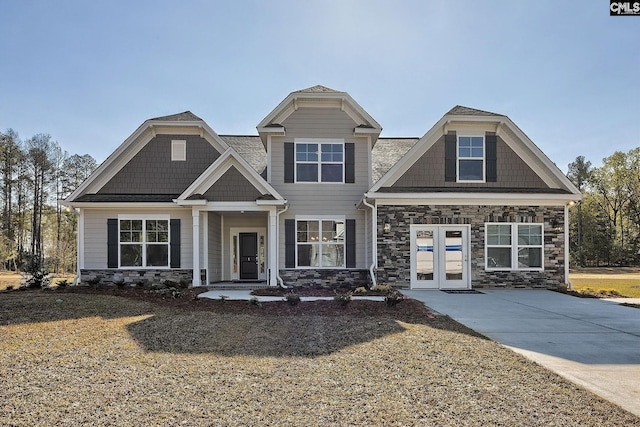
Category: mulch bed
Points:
column 408, row 309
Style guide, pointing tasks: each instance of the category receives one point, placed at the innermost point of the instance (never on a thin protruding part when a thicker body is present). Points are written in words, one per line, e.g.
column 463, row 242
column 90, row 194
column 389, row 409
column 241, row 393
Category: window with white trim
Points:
column 511, row 246
column 144, row 242
column 319, row 161
column 178, row 150
column 320, row 243
column 471, row 158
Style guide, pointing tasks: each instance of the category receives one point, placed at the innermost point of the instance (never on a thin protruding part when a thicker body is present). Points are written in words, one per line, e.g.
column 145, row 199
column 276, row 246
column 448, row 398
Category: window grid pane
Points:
column 320, row 243
column 326, row 165
column 144, row 243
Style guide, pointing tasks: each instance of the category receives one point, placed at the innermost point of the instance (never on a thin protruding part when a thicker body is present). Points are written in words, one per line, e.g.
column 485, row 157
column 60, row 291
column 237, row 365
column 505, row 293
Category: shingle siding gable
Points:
column 429, row 171
column 151, row 170
column 232, row 187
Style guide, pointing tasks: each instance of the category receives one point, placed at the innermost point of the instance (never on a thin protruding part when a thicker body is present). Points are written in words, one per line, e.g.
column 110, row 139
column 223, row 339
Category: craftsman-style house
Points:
column 318, row 196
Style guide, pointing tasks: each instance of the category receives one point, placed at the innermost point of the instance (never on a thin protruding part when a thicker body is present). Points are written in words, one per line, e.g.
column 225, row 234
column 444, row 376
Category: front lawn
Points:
column 607, row 281
column 78, row 359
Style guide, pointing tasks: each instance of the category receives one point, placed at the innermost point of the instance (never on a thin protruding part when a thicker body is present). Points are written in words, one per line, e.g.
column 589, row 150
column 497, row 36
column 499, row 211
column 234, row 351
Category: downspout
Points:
column 374, row 242
column 278, row 213
column 566, row 248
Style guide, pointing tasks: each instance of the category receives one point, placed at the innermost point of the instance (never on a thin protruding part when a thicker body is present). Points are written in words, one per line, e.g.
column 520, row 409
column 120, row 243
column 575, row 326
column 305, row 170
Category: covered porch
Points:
column 235, row 242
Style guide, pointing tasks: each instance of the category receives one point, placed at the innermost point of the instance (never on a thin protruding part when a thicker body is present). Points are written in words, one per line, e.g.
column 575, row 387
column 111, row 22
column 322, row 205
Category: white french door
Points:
column 440, row 256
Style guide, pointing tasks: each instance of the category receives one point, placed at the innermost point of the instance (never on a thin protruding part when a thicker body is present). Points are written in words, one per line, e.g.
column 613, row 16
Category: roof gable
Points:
column 502, row 126
column 318, row 97
column 241, row 176
column 185, row 123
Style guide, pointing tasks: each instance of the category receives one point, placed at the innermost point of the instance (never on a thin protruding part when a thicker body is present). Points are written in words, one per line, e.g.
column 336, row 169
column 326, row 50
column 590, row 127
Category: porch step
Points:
column 236, row 286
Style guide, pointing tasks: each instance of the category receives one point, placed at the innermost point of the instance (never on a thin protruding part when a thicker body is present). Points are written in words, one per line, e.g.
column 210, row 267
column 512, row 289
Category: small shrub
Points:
column 9, row 287
column 292, row 298
column 255, row 301
column 360, row 290
column 223, row 299
column 184, row 283
column 342, row 298
column 38, row 279
column 94, row 281
column 167, row 292
column 62, row 283
column 393, row 298
column 382, row 288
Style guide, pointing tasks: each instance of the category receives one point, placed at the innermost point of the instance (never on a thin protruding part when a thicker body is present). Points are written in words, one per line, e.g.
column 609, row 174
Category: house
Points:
column 317, row 196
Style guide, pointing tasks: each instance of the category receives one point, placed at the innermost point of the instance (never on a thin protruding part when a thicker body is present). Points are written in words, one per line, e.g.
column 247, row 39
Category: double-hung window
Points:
column 511, row 246
column 320, row 243
column 471, row 154
column 319, row 161
column 144, row 242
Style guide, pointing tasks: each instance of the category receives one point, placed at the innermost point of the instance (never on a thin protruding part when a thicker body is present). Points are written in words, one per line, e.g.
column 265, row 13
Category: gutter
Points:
column 374, row 244
column 278, row 278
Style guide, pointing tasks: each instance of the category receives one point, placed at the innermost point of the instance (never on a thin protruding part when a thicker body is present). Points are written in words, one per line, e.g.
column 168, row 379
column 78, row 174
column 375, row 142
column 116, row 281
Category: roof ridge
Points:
column 317, row 89
column 469, row 111
column 185, row 116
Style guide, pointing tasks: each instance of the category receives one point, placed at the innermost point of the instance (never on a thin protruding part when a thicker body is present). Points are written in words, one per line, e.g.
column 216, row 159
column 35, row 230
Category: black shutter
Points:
column 289, row 243
column 112, row 243
column 491, row 144
column 450, row 157
column 351, row 243
column 289, row 163
column 349, row 163
column 175, row 243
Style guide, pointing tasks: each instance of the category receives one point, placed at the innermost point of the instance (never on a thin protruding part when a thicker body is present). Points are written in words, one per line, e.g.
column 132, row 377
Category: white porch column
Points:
column 273, row 247
column 195, row 214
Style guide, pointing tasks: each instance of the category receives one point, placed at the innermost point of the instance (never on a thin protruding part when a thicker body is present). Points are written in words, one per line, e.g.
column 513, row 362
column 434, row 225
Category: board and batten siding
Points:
column 95, row 234
column 323, row 199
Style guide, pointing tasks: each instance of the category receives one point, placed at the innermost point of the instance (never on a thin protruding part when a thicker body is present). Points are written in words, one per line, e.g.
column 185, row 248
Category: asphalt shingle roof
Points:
column 186, row 116
column 251, row 149
column 461, row 110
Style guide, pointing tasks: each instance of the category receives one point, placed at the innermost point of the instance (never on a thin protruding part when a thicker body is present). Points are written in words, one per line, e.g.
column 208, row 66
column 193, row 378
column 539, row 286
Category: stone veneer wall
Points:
column 326, row 278
column 394, row 254
column 149, row 276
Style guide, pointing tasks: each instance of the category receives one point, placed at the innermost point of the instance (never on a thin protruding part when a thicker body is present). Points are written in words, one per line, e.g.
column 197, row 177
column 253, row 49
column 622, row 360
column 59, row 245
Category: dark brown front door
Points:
column 248, row 256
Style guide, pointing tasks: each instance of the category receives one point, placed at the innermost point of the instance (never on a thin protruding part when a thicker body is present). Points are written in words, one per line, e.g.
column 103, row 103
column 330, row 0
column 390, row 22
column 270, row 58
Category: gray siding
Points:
column 318, row 198
column 428, row 171
column 232, row 187
column 215, row 247
column 151, row 171
column 95, row 234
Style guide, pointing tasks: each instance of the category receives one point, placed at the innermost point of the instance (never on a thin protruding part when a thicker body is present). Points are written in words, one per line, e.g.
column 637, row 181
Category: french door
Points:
column 440, row 257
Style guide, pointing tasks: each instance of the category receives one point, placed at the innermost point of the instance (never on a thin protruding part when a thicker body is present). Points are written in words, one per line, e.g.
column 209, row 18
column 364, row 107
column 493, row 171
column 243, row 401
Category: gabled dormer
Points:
column 471, row 151
column 318, row 135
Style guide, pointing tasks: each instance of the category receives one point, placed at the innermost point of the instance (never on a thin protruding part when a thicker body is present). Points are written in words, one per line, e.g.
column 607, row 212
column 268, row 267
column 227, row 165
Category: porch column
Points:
column 273, row 247
column 195, row 214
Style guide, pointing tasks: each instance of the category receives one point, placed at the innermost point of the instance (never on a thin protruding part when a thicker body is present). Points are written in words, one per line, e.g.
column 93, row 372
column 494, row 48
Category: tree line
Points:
column 36, row 231
column 605, row 225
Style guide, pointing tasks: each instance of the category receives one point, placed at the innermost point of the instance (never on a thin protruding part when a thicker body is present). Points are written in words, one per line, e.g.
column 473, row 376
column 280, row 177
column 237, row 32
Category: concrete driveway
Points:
column 594, row 343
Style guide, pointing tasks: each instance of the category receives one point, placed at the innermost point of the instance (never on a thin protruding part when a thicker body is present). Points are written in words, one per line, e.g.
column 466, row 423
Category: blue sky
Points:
column 90, row 72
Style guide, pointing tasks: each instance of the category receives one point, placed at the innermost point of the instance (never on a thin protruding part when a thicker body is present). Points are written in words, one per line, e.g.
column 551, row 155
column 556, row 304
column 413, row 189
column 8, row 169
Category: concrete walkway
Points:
column 594, row 343
column 245, row 295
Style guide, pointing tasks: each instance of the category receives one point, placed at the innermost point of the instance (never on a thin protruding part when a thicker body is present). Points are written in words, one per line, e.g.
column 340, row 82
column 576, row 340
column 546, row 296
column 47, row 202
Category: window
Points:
column 471, row 158
column 320, row 243
column 319, row 162
column 178, row 150
column 144, row 242
column 513, row 246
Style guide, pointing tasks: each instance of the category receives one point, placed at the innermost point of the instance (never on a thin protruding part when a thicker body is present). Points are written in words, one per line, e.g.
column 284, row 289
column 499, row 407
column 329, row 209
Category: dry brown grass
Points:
column 107, row 360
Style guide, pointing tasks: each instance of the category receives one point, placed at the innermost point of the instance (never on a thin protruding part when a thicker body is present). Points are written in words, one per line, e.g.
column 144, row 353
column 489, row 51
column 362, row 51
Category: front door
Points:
column 439, row 257
column 248, row 256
